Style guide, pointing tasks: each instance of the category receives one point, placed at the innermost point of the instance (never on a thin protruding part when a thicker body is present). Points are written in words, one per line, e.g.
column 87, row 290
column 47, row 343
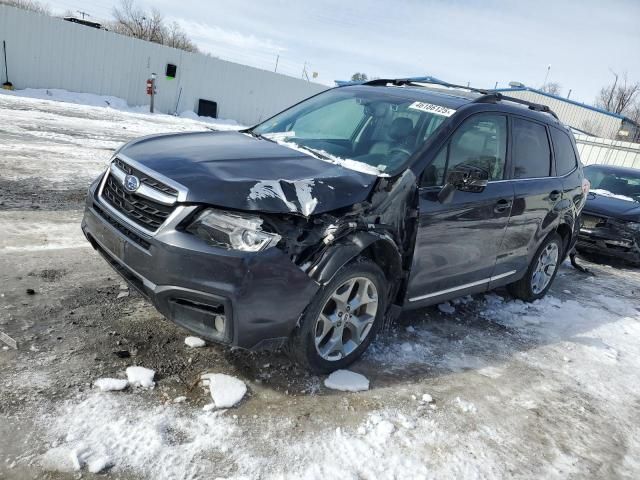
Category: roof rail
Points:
column 498, row 97
column 421, row 82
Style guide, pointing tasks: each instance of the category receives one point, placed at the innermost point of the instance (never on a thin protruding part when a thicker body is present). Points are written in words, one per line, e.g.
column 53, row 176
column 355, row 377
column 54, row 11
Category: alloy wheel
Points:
column 545, row 268
column 346, row 318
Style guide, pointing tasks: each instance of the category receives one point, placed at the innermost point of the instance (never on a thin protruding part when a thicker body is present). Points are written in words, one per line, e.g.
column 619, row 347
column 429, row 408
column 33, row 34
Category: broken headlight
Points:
column 232, row 231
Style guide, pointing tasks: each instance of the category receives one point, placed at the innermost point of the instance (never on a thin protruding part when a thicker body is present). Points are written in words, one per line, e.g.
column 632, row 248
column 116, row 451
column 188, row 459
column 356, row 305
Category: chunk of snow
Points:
column 347, row 381
column 179, row 399
column 194, row 342
column 140, row 376
column 410, row 329
column 427, row 398
column 447, row 308
column 226, row 391
column 406, row 347
column 98, row 464
column 110, row 384
column 465, row 406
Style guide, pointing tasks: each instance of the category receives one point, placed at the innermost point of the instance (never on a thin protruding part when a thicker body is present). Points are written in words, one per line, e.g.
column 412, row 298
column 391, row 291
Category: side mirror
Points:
column 465, row 178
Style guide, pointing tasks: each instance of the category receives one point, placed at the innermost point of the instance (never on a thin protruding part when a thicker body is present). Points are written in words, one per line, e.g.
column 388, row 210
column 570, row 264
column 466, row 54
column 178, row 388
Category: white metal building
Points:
column 586, row 118
column 47, row 52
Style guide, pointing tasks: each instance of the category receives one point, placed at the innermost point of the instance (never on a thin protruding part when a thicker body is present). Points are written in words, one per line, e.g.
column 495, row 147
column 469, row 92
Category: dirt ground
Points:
column 549, row 390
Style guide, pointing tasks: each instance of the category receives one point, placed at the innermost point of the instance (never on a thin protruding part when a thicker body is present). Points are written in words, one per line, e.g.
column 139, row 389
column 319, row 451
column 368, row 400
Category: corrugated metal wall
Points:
column 46, row 52
column 590, row 121
column 608, row 152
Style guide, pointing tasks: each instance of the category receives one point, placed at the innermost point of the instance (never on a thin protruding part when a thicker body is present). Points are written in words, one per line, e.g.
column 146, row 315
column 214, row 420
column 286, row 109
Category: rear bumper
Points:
column 260, row 296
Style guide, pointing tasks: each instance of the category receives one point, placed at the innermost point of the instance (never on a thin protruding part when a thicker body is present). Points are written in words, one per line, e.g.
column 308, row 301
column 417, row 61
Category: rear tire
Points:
column 342, row 320
column 541, row 272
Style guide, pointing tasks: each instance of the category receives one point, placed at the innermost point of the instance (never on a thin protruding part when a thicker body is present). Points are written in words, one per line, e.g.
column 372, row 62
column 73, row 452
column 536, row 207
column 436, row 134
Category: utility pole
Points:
column 84, row 14
column 495, row 87
column 304, row 72
column 569, row 94
column 277, row 58
column 546, row 77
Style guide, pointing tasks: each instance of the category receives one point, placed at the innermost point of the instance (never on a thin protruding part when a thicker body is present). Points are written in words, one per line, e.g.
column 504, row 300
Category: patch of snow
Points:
column 180, row 399
column 194, row 342
column 226, row 391
column 116, row 103
column 447, row 308
column 98, row 464
column 140, row 376
column 607, row 193
column 347, row 381
column 465, row 406
column 490, row 372
column 426, row 398
column 138, row 439
column 111, row 384
column 327, row 157
column 221, row 124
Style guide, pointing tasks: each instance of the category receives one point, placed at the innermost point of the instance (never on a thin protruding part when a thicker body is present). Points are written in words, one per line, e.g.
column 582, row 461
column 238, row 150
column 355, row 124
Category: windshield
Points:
column 614, row 183
column 369, row 130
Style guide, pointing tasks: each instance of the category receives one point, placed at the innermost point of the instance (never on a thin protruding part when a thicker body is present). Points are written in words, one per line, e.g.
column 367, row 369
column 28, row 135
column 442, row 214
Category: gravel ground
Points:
column 548, row 390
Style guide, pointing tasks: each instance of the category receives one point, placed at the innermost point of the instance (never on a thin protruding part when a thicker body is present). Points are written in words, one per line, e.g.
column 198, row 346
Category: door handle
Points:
column 555, row 195
column 502, row 205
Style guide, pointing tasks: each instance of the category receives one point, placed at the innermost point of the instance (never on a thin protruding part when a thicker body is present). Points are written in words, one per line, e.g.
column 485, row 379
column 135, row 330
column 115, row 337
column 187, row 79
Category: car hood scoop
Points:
column 238, row 171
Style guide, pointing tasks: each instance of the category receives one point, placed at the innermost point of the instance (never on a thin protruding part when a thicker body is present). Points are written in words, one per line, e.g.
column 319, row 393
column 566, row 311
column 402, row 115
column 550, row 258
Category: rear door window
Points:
column 531, row 151
column 566, row 160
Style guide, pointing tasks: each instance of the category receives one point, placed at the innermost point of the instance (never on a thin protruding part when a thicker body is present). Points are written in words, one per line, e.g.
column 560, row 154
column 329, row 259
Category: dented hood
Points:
column 235, row 170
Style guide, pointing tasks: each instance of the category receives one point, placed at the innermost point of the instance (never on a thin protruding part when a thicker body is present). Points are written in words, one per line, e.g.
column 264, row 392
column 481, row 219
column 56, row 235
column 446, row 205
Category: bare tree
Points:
column 619, row 96
column 177, row 38
column 130, row 20
column 31, row 5
column 359, row 77
column 552, row 88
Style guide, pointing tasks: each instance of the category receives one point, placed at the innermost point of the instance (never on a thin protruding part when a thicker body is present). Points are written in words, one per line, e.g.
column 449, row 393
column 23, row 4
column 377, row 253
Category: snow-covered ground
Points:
column 482, row 387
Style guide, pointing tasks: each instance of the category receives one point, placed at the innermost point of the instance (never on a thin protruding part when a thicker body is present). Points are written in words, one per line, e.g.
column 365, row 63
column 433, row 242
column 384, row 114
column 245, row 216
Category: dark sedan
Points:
column 611, row 217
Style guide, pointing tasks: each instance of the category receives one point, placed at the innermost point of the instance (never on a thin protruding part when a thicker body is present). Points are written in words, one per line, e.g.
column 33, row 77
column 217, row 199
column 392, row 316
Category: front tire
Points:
column 342, row 320
column 541, row 272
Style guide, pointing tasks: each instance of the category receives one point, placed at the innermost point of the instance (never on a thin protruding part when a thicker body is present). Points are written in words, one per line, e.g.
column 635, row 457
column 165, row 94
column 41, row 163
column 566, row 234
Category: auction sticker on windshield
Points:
column 431, row 108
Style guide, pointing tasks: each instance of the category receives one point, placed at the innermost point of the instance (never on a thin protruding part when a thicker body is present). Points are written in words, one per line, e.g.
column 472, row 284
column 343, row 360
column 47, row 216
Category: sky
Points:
column 460, row 41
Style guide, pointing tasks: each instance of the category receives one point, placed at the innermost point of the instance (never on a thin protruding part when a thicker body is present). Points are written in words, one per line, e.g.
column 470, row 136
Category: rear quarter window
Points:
column 566, row 160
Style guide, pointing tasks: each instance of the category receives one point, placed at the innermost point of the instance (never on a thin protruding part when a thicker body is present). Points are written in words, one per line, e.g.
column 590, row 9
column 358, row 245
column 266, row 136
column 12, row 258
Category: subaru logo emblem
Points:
column 131, row 183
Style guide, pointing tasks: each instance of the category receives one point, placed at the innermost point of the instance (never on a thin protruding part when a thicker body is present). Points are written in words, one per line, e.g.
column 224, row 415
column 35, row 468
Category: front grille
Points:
column 141, row 211
column 146, row 179
column 122, row 229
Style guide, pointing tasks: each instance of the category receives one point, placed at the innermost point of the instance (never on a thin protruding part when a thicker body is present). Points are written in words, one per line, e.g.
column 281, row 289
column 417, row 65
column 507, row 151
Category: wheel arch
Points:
column 374, row 246
column 565, row 232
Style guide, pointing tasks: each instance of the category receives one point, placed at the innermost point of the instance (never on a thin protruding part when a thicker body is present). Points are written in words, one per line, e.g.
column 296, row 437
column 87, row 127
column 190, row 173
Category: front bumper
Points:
column 260, row 295
column 610, row 240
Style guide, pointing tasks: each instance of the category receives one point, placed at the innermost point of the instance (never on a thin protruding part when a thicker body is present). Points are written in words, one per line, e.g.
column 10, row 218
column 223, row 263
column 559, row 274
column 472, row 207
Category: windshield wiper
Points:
column 313, row 152
column 258, row 135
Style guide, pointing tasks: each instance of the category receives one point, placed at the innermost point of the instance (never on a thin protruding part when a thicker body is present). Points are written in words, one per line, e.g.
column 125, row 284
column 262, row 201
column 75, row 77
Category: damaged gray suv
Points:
column 312, row 228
